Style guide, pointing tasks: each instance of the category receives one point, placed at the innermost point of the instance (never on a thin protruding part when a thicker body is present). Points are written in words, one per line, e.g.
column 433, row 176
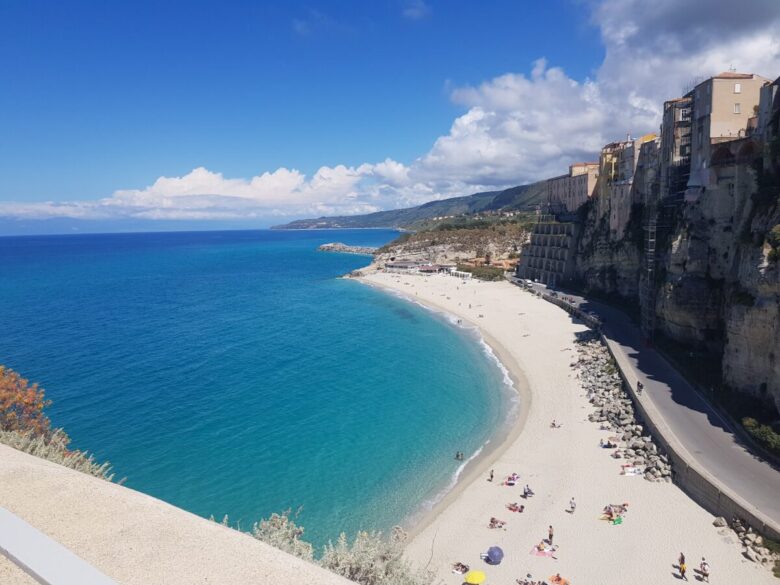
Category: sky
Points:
column 173, row 114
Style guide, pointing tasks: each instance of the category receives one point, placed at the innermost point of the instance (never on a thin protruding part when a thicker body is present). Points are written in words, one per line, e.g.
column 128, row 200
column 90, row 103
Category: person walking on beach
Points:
column 572, row 505
column 491, row 475
column 682, row 566
column 704, row 569
column 550, row 535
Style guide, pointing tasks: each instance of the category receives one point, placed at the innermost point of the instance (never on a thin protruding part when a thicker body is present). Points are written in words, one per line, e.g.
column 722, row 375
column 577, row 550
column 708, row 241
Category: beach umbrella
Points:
column 475, row 577
column 495, row 555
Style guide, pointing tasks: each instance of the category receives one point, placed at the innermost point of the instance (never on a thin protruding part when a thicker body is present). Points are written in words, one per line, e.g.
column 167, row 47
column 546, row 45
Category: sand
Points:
column 534, row 339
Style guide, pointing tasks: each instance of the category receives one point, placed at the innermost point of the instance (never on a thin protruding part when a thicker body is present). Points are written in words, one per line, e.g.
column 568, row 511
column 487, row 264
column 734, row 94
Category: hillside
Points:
column 523, row 197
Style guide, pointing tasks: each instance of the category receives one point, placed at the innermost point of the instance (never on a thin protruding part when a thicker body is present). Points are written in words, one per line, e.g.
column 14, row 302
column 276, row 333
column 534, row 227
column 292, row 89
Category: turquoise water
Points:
column 233, row 373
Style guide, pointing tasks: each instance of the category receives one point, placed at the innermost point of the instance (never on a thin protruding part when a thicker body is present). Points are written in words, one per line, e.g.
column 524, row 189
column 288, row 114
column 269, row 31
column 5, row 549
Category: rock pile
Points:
column 615, row 411
column 345, row 249
column 752, row 543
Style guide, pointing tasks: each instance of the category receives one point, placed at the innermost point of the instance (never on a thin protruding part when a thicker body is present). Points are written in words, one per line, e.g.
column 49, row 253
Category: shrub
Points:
column 372, row 560
column 21, row 405
column 369, row 559
column 764, row 434
column 55, row 449
column 25, row 426
column 283, row 533
column 483, row 272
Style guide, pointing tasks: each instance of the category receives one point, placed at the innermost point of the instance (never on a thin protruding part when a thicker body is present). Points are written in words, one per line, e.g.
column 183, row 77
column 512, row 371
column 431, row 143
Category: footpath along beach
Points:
column 535, row 341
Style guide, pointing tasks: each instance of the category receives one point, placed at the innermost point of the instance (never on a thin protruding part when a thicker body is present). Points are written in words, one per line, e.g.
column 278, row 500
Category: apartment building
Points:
column 722, row 106
column 567, row 193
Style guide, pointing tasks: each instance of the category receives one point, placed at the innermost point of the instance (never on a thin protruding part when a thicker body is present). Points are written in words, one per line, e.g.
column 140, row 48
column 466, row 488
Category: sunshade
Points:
column 475, row 577
column 495, row 554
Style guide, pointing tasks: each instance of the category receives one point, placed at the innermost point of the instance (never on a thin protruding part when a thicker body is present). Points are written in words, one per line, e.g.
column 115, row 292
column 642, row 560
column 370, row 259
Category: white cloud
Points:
column 515, row 128
column 416, row 10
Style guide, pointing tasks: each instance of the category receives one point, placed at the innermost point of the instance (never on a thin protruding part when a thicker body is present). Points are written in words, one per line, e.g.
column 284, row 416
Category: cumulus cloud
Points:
column 516, row 128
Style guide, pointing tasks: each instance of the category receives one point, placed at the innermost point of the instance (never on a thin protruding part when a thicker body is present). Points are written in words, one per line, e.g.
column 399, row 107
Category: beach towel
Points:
column 542, row 553
column 632, row 470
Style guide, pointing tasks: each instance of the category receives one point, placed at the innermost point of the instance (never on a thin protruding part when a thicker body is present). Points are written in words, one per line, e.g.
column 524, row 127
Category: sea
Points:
column 234, row 373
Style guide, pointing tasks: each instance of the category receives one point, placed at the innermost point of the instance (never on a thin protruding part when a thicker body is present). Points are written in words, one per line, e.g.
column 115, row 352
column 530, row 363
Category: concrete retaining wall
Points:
column 700, row 485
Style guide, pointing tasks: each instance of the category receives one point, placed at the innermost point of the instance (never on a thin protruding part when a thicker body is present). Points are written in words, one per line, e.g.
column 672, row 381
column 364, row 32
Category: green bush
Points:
column 764, row 434
column 483, row 272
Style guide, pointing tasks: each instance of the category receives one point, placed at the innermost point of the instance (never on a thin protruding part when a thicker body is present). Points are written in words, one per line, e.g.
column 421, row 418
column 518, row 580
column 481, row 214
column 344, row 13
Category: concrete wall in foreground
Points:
column 135, row 539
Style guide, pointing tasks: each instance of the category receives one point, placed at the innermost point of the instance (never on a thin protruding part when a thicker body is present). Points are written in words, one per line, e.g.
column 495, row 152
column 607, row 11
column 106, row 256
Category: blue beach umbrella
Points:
column 495, row 555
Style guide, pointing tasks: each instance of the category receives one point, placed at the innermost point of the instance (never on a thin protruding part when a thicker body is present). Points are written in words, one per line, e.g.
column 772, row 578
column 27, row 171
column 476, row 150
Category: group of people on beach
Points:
column 704, row 569
column 613, row 512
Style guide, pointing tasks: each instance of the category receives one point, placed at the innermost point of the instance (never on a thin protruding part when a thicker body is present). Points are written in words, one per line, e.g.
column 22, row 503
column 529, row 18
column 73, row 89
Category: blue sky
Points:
column 345, row 106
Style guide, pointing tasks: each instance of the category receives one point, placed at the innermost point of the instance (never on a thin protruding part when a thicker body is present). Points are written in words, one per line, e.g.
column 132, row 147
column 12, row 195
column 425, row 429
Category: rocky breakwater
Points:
column 345, row 249
column 614, row 411
column 753, row 546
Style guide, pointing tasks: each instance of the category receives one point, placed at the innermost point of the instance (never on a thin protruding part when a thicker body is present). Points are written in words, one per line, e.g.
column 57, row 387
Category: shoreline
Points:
column 536, row 343
column 497, row 443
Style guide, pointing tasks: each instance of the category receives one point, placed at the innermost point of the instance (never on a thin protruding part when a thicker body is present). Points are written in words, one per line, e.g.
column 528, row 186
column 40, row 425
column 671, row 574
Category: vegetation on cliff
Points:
column 369, row 558
column 521, row 198
column 456, row 239
column 25, row 426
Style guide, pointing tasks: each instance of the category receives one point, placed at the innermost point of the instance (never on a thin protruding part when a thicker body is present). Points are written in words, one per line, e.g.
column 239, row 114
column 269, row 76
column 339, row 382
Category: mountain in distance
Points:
column 521, row 198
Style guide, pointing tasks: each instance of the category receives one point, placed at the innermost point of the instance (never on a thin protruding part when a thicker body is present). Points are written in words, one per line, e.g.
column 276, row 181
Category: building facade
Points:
column 567, row 193
column 722, row 106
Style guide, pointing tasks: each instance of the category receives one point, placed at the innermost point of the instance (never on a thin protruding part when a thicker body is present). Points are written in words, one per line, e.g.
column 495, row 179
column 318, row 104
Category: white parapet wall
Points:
column 126, row 536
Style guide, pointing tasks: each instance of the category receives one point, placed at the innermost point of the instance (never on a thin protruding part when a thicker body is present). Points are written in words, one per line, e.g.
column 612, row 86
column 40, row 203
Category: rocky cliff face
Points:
column 609, row 261
column 716, row 287
column 719, row 289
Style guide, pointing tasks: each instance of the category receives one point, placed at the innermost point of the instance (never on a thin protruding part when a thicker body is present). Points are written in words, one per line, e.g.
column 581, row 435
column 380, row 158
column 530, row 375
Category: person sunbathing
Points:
column 496, row 523
column 460, row 568
column 527, row 492
column 515, row 507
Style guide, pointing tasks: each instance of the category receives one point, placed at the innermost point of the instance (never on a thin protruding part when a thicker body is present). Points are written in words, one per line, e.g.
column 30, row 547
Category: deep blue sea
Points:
column 234, row 373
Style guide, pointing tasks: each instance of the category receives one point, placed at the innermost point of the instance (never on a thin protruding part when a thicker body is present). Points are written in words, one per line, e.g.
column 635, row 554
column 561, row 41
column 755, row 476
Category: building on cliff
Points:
column 567, row 193
column 549, row 255
column 722, row 108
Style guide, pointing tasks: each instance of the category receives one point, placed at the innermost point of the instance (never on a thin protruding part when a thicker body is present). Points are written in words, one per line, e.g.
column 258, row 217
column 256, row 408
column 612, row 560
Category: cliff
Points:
column 716, row 285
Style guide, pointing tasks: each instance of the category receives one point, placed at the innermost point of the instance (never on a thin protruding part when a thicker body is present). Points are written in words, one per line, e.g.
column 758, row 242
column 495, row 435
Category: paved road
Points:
column 708, row 438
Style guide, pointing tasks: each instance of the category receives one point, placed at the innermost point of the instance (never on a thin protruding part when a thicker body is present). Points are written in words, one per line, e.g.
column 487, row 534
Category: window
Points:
column 737, row 88
column 737, row 109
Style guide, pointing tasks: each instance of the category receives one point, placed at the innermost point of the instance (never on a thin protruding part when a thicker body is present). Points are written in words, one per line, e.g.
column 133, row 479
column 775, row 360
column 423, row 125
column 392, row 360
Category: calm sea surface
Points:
column 233, row 373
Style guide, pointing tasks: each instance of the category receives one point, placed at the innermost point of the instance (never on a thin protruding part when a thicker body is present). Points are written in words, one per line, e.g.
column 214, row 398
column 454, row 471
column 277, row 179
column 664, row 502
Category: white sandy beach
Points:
column 534, row 340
